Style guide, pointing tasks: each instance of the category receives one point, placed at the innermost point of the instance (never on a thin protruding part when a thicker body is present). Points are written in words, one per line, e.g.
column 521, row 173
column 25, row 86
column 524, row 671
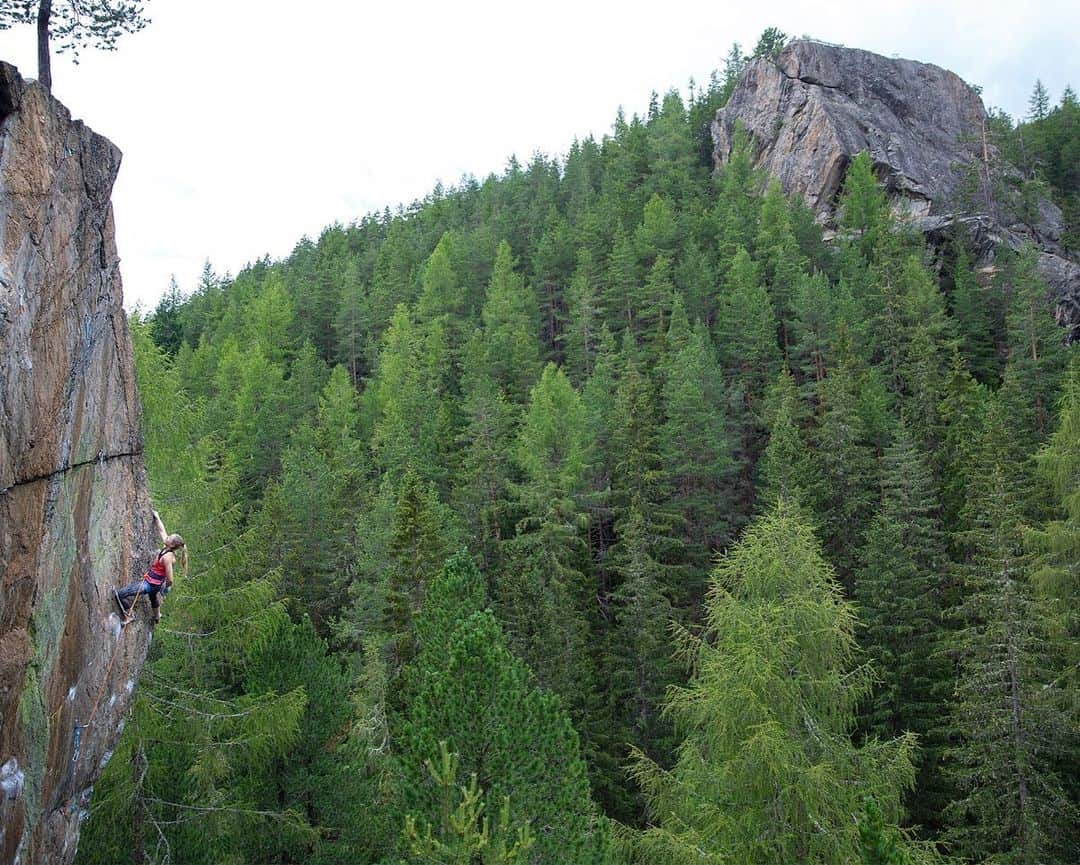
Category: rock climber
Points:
column 157, row 580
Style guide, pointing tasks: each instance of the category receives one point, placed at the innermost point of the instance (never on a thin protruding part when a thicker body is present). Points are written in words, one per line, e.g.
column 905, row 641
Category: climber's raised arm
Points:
column 160, row 526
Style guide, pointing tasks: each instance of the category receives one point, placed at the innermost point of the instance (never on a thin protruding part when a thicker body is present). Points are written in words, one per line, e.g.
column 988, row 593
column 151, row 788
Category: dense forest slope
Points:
column 74, row 516
column 604, row 511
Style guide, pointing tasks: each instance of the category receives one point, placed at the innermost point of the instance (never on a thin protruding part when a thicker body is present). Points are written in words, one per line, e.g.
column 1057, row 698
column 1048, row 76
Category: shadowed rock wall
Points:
column 75, row 518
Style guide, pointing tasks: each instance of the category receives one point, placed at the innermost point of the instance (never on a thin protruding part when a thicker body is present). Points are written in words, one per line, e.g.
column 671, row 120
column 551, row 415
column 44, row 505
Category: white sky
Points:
column 246, row 124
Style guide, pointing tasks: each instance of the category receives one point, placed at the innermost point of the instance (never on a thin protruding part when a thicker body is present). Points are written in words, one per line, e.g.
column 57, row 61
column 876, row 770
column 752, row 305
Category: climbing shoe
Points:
column 125, row 611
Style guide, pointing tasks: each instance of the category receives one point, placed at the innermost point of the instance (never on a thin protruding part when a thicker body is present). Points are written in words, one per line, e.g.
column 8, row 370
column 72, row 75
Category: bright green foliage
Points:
column 197, row 731
column 767, row 771
column 441, row 293
column 624, row 281
column 270, row 321
column 653, row 305
column 1012, row 722
column 864, row 209
column 465, row 834
column 409, row 391
column 658, row 233
column 1058, row 577
column 476, row 696
column 350, row 325
column 676, row 173
column 738, row 201
column 512, row 351
column 852, row 377
column 824, row 315
column 962, row 410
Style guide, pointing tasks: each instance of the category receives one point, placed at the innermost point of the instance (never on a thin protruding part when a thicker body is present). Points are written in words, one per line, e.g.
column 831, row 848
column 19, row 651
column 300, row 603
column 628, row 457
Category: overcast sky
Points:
column 246, row 124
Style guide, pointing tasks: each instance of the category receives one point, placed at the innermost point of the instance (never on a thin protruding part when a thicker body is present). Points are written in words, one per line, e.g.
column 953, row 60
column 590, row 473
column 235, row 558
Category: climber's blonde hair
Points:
column 175, row 544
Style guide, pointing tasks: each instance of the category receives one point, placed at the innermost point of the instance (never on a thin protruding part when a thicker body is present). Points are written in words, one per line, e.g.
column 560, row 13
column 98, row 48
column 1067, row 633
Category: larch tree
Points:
column 768, row 771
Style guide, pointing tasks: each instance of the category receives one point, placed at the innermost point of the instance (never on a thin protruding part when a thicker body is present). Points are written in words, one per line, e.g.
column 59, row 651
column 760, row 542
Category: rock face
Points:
column 75, row 519
column 816, row 106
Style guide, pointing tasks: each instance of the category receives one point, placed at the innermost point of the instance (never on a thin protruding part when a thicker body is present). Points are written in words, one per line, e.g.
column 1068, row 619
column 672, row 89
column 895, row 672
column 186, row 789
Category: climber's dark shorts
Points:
column 144, row 587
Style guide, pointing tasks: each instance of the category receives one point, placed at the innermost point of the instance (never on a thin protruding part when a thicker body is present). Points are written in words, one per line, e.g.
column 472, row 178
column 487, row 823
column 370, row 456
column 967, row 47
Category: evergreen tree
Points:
column 1008, row 720
column 846, row 466
column 864, row 209
column 474, row 695
column 767, row 771
column 785, row 470
column 543, row 594
column 584, row 319
column 1036, row 350
column 782, row 262
column 696, row 446
column 900, row 588
column 737, row 203
column 510, row 342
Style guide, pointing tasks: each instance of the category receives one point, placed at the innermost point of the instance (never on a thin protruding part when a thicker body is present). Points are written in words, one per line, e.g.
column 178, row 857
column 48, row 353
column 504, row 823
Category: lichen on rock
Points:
column 75, row 517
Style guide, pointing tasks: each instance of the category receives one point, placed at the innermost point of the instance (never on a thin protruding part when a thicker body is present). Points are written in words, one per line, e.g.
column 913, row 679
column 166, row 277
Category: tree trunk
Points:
column 44, row 66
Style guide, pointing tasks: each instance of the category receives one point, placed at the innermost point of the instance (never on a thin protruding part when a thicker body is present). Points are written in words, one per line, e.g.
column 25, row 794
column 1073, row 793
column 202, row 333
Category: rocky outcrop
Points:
column 75, row 518
column 810, row 110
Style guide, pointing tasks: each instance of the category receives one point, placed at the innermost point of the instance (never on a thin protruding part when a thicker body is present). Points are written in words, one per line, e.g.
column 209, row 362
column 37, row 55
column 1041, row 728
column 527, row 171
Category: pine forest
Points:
column 609, row 510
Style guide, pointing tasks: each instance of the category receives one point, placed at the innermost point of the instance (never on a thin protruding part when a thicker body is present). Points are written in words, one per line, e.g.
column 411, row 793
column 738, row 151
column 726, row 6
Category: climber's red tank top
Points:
column 156, row 575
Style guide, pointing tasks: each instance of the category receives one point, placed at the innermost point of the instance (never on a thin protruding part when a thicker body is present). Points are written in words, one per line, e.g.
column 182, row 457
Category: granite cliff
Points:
column 75, row 517
column 811, row 109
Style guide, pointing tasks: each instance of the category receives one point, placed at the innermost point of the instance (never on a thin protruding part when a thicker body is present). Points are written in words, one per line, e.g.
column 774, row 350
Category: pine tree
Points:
column 418, row 546
column 510, row 327
column 584, row 319
column 767, row 771
column 624, row 282
column 1058, row 574
column 846, row 466
column 1007, row 721
column 974, row 311
column 696, row 445
column 542, row 593
column 737, row 202
column 483, row 481
column 782, row 262
column 864, row 209
column 474, row 695
column 441, row 293
column 1039, row 102
column 1036, row 349
column 409, row 392
column 785, row 470
column 901, row 588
